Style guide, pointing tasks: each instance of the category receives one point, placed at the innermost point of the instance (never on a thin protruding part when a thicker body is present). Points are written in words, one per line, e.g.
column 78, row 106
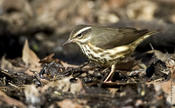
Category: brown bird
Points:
column 107, row 46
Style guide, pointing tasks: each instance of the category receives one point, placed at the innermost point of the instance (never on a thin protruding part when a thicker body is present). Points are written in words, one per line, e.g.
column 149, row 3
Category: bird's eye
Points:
column 79, row 35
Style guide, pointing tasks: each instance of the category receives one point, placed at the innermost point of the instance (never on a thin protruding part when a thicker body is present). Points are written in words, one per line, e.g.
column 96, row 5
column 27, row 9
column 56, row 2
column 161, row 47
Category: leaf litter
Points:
column 51, row 83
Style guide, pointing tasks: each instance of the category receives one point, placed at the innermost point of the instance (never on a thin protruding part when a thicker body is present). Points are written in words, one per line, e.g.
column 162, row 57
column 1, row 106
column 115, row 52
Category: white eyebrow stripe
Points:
column 82, row 30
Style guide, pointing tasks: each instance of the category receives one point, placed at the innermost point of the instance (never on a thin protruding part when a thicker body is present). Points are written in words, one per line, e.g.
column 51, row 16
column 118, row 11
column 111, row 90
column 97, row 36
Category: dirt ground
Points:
column 37, row 71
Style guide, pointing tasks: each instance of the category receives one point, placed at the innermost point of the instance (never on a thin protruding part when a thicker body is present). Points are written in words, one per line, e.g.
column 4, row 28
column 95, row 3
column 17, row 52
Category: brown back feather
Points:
column 111, row 37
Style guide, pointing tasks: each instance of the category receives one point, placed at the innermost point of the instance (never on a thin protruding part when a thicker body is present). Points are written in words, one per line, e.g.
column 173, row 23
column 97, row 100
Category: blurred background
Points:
column 48, row 23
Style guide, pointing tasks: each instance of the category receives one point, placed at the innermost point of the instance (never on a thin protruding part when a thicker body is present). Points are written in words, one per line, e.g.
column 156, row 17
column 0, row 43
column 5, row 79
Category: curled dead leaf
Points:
column 29, row 57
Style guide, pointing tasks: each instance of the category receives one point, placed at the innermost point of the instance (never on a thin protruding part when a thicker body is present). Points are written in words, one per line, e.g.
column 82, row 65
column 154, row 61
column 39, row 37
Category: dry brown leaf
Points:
column 29, row 57
column 67, row 103
column 144, row 11
column 5, row 64
column 168, row 86
column 20, row 5
column 48, row 59
column 65, row 85
column 32, row 94
column 10, row 101
column 66, row 65
column 116, row 3
column 162, row 56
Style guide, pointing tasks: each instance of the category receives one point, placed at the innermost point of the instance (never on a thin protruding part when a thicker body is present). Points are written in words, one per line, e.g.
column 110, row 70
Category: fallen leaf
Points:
column 161, row 56
column 32, row 94
column 66, row 65
column 29, row 57
column 10, row 101
column 48, row 59
column 65, row 85
column 67, row 103
column 168, row 86
column 144, row 11
column 7, row 65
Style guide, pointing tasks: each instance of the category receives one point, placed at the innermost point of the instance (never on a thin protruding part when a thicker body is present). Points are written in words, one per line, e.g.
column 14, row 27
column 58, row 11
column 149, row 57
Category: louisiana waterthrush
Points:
column 107, row 46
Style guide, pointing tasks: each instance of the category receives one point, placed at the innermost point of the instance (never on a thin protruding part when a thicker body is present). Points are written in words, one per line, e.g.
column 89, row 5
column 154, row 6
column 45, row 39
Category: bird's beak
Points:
column 67, row 42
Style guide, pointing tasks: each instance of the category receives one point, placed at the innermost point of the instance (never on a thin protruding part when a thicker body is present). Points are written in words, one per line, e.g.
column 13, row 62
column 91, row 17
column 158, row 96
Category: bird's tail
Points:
column 141, row 39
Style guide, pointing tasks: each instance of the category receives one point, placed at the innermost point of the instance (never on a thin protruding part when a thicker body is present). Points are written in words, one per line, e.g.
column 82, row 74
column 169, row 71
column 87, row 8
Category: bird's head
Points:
column 80, row 34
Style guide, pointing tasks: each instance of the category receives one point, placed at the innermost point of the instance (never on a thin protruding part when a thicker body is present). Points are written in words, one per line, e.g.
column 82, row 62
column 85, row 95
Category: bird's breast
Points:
column 104, row 56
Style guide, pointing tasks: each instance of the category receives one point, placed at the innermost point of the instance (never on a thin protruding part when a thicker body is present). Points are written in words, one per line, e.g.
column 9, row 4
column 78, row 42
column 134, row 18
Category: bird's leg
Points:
column 110, row 74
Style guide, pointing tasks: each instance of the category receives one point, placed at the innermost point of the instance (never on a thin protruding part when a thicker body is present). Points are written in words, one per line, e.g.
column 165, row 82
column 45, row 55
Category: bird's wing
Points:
column 107, row 38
